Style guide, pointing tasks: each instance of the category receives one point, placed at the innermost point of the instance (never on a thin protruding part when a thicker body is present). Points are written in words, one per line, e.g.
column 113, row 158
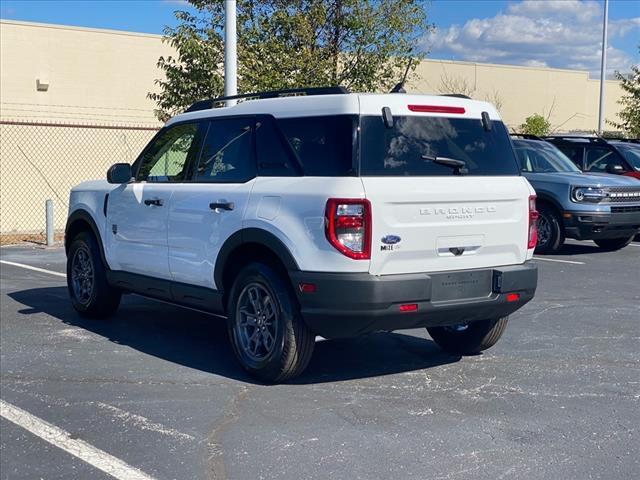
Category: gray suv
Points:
column 585, row 206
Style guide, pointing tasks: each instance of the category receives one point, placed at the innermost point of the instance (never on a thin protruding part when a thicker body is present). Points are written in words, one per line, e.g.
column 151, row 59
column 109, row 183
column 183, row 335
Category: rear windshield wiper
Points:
column 458, row 166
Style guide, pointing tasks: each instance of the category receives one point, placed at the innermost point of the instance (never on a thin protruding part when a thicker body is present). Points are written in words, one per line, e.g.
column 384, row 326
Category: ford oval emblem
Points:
column 391, row 239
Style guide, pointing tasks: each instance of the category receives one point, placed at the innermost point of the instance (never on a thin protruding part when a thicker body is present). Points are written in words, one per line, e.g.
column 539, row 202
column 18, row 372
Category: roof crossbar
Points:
column 215, row 102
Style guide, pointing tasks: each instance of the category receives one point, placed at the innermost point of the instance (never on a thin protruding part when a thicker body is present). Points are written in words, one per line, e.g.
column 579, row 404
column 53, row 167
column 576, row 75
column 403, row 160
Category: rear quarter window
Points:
column 398, row 151
column 323, row 145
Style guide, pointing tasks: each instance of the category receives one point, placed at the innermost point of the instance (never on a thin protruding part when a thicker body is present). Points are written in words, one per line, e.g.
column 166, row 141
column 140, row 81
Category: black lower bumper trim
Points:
column 350, row 304
column 597, row 225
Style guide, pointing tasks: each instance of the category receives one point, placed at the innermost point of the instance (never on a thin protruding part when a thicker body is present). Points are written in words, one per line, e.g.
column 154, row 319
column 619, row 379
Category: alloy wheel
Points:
column 544, row 230
column 82, row 275
column 256, row 321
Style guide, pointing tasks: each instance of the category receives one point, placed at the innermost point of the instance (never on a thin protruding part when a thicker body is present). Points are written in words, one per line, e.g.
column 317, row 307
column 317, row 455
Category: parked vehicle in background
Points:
column 316, row 212
column 572, row 204
column 596, row 154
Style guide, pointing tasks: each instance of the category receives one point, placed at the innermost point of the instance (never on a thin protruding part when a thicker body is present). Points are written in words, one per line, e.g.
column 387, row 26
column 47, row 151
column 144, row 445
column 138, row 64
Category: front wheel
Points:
column 550, row 231
column 90, row 293
column 469, row 338
column 266, row 329
column 612, row 244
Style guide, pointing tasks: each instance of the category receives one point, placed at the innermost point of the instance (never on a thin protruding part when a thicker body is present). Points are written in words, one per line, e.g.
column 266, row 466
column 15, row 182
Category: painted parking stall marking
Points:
column 35, row 269
column 78, row 448
column 555, row 260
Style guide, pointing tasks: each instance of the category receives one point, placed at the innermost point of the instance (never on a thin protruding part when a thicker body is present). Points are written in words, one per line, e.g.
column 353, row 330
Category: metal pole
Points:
column 603, row 67
column 49, row 208
column 230, row 51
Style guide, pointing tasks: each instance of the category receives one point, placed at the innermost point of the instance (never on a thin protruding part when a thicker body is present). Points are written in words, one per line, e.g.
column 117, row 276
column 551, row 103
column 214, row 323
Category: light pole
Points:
column 230, row 51
column 603, row 67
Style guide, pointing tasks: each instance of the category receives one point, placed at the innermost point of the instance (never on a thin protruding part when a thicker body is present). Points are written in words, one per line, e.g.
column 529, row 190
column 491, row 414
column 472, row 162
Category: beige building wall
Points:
column 93, row 75
column 569, row 96
column 102, row 77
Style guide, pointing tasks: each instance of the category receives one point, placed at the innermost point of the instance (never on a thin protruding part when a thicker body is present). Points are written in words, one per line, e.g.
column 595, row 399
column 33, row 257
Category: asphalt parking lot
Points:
column 157, row 388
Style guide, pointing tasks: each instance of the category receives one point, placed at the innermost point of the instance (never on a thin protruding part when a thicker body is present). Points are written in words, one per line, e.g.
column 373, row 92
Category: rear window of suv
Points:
column 398, row 151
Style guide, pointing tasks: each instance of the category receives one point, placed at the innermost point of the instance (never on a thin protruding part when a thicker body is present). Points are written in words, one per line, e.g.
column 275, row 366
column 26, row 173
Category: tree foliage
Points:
column 630, row 101
column 363, row 45
column 536, row 124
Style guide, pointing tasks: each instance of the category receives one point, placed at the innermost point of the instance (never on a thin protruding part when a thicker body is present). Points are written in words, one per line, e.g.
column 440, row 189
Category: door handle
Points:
column 153, row 201
column 222, row 206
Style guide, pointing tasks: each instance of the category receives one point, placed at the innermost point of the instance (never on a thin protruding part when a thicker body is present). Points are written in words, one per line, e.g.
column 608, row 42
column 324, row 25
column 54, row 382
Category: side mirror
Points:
column 615, row 169
column 119, row 173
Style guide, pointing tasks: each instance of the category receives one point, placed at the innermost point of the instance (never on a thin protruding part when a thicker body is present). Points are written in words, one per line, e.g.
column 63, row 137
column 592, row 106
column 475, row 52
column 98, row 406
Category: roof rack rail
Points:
column 456, row 95
column 626, row 140
column 214, row 102
column 587, row 138
column 527, row 136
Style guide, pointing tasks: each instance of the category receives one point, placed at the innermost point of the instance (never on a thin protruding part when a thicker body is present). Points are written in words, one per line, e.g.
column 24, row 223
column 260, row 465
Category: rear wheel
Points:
column 550, row 231
column 612, row 244
column 266, row 329
column 90, row 293
column 469, row 338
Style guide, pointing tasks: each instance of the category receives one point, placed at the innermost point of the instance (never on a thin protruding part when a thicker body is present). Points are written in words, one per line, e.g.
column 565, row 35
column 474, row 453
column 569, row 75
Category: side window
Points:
column 323, row 145
column 227, row 153
column 599, row 159
column 573, row 152
column 274, row 157
column 523, row 159
column 166, row 159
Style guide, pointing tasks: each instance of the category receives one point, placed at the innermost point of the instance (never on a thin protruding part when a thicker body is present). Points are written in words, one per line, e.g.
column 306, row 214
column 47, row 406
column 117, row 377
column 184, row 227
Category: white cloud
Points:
column 553, row 33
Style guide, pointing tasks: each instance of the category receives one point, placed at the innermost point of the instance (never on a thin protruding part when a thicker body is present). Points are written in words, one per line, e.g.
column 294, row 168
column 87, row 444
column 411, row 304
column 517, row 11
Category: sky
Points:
column 554, row 33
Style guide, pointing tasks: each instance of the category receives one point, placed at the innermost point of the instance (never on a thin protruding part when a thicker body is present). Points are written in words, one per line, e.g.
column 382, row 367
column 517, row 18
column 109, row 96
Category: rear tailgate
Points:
column 433, row 224
column 445, row 188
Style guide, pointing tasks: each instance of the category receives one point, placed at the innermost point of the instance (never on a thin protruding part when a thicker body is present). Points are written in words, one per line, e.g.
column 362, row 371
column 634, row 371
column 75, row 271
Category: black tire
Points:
column 550, row 231
column 289, row 351
column 471, row 338
column 96, row 299
column 612, row 244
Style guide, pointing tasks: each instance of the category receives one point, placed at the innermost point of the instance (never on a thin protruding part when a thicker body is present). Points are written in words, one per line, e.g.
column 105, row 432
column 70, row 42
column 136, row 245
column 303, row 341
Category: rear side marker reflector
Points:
column 307, row 287
column 436, row 109
column 409, row 307
column 513, row 297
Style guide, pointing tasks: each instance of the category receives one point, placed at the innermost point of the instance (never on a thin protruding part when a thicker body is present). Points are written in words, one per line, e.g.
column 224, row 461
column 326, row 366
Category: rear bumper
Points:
column 594, row 226
column 351, row 304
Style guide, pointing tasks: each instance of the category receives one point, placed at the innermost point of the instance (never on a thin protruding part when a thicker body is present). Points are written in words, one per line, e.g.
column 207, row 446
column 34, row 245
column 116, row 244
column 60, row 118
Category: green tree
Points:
column 630, row 101
column 363, row 45
column 536, row 124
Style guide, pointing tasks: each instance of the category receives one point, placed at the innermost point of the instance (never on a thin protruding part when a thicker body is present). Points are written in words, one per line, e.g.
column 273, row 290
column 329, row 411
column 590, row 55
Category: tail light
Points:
column 347, row 224
column 533, row 223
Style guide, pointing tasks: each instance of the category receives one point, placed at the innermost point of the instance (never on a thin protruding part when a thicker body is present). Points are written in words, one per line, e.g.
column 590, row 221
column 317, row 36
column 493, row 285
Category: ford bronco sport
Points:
column 315, row 212
column 572, row 204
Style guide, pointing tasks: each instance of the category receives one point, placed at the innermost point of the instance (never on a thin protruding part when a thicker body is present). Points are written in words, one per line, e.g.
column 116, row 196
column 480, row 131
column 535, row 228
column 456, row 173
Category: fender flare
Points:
column 546, row 197
column 252, row 235
column 83, row 216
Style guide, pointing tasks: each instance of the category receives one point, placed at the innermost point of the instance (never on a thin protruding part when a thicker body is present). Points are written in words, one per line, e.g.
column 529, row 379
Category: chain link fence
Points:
column 40, row 161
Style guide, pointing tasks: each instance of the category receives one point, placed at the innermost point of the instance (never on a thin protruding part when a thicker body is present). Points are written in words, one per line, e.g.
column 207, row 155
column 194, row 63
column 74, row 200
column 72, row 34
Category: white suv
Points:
column 315, row 212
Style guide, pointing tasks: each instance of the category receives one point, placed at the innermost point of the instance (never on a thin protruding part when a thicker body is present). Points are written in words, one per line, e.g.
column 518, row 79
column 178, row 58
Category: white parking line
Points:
column 558, row 261
column 78, row 448
column 35, row 269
